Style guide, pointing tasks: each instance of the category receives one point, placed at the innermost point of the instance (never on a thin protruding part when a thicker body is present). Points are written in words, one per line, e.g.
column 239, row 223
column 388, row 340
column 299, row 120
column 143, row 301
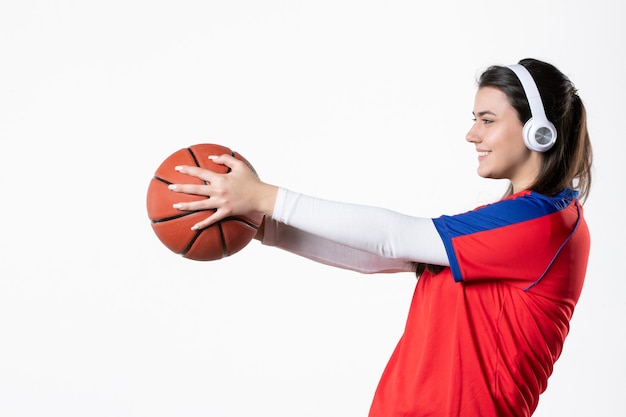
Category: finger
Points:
column 226, row 160
column 213, row 218
column 199, row 205
column 214, row 214
column 197, row 172
column 196, row 189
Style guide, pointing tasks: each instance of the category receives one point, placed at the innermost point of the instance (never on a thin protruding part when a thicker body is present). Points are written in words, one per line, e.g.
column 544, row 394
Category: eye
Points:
column 483, row 119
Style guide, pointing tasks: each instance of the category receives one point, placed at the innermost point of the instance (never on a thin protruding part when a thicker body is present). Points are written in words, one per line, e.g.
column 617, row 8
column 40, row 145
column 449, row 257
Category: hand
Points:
column 238, row 192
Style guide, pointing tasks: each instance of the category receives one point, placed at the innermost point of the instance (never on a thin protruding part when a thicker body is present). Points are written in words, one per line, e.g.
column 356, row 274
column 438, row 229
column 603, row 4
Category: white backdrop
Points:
column 362, row 101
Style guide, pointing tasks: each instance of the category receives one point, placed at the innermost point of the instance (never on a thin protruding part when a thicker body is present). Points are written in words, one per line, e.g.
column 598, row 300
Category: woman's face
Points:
column 497, row 135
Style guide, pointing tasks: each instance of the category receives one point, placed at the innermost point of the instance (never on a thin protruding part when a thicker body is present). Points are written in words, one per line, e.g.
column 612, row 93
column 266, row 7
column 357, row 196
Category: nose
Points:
column 472, row 135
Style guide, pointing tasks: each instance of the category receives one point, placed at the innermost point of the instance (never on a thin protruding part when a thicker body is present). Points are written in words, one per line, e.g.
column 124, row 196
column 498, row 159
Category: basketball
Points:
column 173, row 227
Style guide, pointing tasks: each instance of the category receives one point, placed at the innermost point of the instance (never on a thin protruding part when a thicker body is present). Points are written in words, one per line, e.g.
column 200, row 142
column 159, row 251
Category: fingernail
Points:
column 177, row 206
column 212, row 157
column 178, row 168
column 194, row 227
column 172, row 186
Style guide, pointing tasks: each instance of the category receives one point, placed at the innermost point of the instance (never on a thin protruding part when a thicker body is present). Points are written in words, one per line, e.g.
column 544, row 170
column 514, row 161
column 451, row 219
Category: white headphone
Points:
column 539, row 133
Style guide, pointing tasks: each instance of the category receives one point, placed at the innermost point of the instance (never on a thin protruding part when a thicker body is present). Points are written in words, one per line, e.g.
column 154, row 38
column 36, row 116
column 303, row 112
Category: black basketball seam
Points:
column 193, row 155
column 240, row 220
column 223, row 239
column 221, row 230
column 163, row 180
column 197, row 235
column 191, row 242
column 177, row 216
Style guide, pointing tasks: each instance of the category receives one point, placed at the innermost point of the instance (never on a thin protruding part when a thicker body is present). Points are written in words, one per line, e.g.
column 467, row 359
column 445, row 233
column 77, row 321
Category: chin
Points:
column 483, row 174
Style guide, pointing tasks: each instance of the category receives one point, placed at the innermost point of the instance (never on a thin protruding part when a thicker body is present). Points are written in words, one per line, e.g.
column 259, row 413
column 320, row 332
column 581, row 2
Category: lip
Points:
column 482, row 154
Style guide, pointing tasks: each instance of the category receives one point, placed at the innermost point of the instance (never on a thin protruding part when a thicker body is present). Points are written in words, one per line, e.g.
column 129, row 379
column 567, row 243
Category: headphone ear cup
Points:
column 526, row 133
column 540, row 137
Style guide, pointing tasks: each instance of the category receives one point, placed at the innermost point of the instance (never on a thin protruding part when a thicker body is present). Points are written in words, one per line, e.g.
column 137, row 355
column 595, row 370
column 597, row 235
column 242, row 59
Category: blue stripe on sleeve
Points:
column 511, row 210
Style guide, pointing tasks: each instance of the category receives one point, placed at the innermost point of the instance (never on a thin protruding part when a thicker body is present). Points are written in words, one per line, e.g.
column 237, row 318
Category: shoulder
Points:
column 517, row 208
column 527, row 204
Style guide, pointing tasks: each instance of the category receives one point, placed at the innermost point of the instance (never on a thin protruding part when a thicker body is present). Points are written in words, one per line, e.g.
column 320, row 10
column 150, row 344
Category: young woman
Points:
column 497, row 285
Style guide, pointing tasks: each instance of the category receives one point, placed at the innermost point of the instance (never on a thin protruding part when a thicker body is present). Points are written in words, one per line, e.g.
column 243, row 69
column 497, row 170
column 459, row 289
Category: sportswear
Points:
column 482, row 336
column 374, row 230
column 329, row 252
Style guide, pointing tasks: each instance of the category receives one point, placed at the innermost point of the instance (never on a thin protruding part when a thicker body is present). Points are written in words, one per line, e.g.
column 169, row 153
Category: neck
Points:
column 529, row 174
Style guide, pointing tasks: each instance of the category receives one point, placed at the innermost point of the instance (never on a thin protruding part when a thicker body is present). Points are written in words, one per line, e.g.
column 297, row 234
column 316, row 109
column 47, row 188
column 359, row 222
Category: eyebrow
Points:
column 482, row 113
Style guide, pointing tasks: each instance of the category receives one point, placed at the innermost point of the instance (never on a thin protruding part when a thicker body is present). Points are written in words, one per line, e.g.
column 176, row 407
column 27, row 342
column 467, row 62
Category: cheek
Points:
column 508, row 153
column 518, row 149
column 514, row 158
column 512, row 143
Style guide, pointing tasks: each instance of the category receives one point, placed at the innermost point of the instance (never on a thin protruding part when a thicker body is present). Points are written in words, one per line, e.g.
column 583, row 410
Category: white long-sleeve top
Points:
column 351, row 236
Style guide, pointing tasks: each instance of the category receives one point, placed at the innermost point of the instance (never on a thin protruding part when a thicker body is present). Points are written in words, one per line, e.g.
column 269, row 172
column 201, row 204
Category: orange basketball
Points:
column 173, row 227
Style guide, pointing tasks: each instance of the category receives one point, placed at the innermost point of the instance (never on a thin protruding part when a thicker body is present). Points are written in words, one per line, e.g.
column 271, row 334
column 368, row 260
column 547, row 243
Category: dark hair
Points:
column 568, row 163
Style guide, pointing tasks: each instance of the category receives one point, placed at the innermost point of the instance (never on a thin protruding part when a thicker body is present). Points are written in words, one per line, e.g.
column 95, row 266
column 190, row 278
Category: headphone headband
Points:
column 539, row 133
column 532, row 93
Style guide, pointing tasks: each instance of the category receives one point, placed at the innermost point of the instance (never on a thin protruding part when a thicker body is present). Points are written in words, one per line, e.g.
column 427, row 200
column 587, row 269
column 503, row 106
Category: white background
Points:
column 361, row 101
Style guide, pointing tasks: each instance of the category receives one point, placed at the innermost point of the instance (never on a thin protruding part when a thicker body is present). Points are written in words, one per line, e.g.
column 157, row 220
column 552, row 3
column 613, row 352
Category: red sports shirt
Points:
column 482, row 336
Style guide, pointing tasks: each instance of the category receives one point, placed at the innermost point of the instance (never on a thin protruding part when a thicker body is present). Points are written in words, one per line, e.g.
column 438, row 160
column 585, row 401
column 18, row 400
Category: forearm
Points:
column 326, row 251
column 373, row 230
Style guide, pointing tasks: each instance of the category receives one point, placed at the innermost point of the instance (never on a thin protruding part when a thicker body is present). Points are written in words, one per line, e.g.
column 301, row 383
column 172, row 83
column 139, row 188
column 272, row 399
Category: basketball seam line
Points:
column 223, row 239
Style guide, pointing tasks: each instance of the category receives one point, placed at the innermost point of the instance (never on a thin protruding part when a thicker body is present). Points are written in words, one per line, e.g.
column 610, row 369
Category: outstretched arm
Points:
column 373, row 230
